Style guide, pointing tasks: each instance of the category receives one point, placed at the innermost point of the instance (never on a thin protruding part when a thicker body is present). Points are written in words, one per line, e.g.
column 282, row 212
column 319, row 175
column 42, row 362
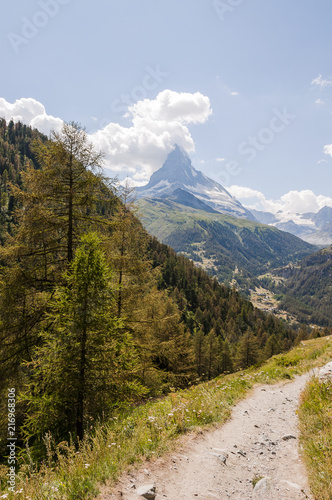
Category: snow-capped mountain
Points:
column 315, row 228
column 177, row 175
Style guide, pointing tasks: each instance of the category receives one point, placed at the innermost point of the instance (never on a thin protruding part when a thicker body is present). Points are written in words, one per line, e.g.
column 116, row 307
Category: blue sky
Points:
column 245, row 86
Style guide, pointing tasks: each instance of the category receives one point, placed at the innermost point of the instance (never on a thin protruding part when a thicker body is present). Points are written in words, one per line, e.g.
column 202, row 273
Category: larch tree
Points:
column 199, row 341
column 226, row 363
column 56, row 204
column 87, row 364
column 163, row 341
column 248, row 350
column 212, row 354
column 127, row 252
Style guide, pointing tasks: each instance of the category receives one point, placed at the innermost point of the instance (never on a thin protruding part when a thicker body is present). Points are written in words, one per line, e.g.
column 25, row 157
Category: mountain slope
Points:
column 178, row 173
column 307, row 290
column 225, row 245
column 133, row 254
column 16, row 153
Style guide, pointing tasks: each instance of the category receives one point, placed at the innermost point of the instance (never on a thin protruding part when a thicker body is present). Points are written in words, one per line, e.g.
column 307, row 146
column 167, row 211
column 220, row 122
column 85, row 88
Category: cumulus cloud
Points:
column 139, row 149
column 328, row 150
column 157, row 125
column 30, row 112
column 304, row 201
column 173, row 106
column 293, row 202
column 321, row 82
column 245, row 192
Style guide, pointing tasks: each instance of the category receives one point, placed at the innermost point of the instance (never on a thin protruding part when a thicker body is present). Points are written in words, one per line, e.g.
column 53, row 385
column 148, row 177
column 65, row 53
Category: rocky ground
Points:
column 258, row 445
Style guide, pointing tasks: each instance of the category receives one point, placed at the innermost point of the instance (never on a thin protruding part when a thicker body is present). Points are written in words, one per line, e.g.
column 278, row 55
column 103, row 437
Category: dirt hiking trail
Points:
column 259, row 441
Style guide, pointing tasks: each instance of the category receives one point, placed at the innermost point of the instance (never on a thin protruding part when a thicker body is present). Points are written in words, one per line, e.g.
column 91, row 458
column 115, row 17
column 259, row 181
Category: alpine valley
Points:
column 198, row 217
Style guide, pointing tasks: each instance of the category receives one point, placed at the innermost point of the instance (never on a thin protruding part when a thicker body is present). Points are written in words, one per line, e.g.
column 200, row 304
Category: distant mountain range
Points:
column 177, row 179
column 315, row 228
column 198, row 217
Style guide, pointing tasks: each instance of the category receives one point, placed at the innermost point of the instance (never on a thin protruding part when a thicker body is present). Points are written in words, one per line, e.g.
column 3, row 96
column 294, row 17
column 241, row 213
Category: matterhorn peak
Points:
column 178, row 173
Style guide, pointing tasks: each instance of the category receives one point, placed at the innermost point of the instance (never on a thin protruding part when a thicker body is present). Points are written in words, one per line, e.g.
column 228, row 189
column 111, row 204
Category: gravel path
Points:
column 260, row 440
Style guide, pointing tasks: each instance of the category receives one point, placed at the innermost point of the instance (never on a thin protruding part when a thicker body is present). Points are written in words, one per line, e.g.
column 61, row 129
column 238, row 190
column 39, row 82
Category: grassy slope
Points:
column 147, row 431
column 226, row 242
column 315, row 415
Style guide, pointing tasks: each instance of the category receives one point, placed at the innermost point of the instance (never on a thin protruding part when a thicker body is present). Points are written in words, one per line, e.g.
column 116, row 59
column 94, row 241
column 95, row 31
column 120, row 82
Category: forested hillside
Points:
column 306, row 291
column 95, row 313
column 228, row 247
column 16, row 154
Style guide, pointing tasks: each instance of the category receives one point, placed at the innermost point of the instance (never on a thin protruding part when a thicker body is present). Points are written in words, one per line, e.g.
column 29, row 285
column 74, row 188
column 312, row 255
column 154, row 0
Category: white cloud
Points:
column 328, row 150
column 321, row 82
column 173, row 106
column 220, row 159
column 320, row 102
column 288, row 205
column 254, row 199
column 245, row 192
column 157, row 125
column 233, row 93
column 301, row 201
column 30, row 112
column 137, row 150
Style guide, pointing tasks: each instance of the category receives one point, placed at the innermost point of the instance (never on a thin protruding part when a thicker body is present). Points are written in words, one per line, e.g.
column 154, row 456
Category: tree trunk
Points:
column 81, row 382
column 70, row 214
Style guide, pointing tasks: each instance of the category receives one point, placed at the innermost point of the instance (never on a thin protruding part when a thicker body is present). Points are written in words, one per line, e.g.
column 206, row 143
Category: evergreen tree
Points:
column 87, row 364
column 127, row 252
column 212, row 352
column 59, row 200
column 200, row 351
column 164, row 341
column 247, row 353
column 272, row 346
column 226, row 363
column 57, row 203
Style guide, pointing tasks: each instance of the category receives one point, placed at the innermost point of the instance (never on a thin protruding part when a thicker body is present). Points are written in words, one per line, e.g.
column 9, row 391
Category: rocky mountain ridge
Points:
column 178, row 173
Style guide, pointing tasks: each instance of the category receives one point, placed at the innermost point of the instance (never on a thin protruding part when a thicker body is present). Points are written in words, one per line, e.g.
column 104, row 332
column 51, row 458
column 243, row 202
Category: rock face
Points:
column 147, row 491
column 325, row 373
column 177, row 177
column 273, row 489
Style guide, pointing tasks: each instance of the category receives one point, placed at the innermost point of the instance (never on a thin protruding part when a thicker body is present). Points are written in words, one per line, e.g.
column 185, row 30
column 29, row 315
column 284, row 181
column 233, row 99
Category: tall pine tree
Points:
column 87, row 364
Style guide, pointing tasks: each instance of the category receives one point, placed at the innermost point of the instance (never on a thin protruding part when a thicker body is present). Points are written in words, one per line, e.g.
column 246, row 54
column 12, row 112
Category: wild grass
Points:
column 315, row 415
column 142, row 433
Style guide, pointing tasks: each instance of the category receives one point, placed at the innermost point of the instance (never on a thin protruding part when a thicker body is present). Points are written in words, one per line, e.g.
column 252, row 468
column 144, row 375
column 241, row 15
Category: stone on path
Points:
column 147, row 491
column 272, row 489
column 288, row 437
column 325, row 373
